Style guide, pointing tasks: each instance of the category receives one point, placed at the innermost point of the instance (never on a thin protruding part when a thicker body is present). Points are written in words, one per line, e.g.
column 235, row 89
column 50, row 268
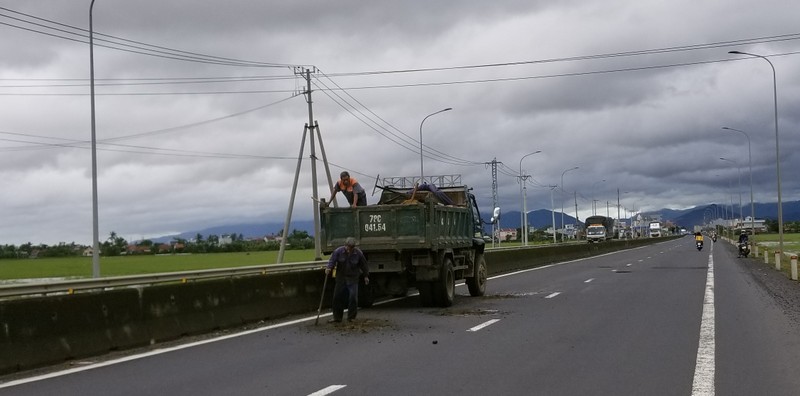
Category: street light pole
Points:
column 421, row 171
column 523, row 221
column 95, row 214
column 739, row 170
column 777, row 145
column 562, row 199
column 750, row 166
column 553, row 213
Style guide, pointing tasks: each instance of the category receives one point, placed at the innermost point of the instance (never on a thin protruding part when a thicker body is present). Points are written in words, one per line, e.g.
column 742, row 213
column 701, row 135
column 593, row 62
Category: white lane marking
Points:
column 588, row 280
column 551, row 295
column 484, row 324
column 328, row 390
column 628, row 265
column 703, row 384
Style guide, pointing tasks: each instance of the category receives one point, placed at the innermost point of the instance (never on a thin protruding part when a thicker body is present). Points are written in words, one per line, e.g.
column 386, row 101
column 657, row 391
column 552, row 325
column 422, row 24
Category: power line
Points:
column 690, row 47
column 73, row 143
column 122, row 44
column 400, row 134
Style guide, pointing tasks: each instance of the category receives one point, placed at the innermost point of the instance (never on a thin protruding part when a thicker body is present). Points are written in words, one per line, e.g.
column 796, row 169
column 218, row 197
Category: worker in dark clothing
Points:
column 350, row 264
column 355, row 194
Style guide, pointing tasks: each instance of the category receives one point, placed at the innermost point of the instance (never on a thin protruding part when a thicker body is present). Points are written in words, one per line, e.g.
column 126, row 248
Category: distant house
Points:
column 272, row 238
column 508, row 234
column 137, row 249
column 88, row 252
column 758, row 225
column 163, row 248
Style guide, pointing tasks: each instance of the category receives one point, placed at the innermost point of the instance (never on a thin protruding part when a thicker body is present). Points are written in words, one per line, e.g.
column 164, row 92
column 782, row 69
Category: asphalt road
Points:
column 658, row 320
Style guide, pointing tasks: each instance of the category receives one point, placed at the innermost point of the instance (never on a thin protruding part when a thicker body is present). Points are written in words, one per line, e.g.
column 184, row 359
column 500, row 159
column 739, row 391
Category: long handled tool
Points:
column 322, row 297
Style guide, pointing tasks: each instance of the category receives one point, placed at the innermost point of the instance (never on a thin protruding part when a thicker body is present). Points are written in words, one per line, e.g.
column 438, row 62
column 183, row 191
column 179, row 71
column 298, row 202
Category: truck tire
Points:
column 477, row 283
column 425, row 293
column 445, row 287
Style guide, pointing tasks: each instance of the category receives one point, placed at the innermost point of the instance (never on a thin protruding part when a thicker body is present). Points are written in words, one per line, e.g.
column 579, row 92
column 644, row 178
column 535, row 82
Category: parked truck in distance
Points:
column 425, row 237
column 655, row 229
column 599, row 228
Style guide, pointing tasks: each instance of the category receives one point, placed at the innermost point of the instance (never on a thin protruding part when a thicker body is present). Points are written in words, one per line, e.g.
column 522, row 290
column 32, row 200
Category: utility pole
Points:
column 496, row 223
column 310, row 128
column 577, row 220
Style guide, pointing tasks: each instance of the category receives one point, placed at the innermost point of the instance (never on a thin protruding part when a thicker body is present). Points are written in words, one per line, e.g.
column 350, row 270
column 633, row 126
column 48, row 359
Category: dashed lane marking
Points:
column 484, row 324
column 551, row 295
column 328, row 390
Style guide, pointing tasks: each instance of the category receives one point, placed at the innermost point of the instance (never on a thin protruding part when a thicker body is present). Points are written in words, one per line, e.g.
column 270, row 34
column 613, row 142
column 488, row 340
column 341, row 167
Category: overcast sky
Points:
column 199, row 116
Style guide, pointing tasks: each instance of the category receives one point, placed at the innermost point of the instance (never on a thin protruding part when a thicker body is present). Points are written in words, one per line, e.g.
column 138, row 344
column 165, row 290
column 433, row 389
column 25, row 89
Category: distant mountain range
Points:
column 541, row 218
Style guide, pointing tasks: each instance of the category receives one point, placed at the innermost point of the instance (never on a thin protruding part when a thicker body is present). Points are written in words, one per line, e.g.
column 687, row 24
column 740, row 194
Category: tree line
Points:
column 115, row 245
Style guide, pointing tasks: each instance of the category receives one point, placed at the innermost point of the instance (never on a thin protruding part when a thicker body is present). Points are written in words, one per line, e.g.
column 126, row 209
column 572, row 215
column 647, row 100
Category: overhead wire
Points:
column 690, row 47
column 74, row 143
column 138, row 46
column 400, row 134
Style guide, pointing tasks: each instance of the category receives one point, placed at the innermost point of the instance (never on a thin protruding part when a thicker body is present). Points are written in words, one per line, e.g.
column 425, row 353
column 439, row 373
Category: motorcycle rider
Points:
column 743, row 241
column 698, row 238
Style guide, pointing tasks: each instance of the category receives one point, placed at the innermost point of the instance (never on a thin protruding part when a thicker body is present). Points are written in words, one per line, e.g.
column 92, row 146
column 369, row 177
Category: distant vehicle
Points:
column 655, row 229
column 428, row 237
column 599, row 228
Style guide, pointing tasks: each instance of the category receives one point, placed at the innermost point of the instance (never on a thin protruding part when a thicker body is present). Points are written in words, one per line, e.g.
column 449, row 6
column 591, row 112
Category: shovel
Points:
column 322, row 297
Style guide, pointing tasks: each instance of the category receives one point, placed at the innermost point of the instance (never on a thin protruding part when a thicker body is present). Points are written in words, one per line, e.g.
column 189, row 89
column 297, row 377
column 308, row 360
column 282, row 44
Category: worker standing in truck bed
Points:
column 353, row 192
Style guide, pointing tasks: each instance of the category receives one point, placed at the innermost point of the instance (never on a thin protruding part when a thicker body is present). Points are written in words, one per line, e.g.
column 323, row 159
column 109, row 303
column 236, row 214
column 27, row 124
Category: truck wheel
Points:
column 477, row 283
column 425, row 293
column 445, row 288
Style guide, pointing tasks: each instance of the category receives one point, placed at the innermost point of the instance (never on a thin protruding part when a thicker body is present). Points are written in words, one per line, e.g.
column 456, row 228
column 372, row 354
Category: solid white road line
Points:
column 484, row 324
column 703, row 384
column 327, row 391
column 551, row 295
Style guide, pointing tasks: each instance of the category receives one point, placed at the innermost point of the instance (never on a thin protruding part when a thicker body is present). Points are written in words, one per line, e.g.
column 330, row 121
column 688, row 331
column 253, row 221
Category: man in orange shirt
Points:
column 355, row 194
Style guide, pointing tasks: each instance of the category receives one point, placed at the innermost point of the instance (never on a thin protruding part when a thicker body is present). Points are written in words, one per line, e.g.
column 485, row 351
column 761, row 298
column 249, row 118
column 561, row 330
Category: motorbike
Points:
column 699, row 245
column 713, row 238
column 744, row 250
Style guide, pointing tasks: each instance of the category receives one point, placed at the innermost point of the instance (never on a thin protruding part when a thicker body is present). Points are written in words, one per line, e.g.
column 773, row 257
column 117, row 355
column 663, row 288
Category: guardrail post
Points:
column 778, row 260
column 755, row 250
column 766, row 256
column 794, row 267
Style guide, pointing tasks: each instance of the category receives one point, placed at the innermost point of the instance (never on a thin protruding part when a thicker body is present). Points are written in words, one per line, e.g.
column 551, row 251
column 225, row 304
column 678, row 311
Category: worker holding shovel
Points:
column 349, row 263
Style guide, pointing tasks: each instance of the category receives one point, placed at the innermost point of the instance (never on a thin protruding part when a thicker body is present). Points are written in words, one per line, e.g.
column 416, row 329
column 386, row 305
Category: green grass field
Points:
column 81, row 267
column 78, row 267
column 791, row 245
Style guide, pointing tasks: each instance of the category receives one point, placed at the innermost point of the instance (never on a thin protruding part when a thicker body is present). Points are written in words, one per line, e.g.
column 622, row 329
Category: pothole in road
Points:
column 468, row 312
column 364, row 325
column 510, row 295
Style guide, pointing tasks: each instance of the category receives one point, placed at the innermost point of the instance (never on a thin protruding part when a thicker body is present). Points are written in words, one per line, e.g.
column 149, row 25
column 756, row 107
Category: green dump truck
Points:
column 427, row 238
